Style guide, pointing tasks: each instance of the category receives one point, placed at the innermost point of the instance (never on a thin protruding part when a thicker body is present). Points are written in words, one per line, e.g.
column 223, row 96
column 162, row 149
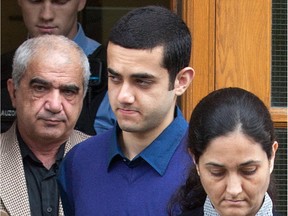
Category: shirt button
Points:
column 49, row 209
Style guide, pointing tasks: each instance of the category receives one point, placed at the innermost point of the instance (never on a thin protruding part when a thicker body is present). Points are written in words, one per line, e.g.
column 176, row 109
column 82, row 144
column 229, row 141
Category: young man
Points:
column 134, row 168
column 59, row 17
column 49, row 81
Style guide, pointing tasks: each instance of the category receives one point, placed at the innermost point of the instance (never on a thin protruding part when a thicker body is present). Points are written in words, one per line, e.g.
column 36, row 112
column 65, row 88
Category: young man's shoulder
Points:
column 94, row 144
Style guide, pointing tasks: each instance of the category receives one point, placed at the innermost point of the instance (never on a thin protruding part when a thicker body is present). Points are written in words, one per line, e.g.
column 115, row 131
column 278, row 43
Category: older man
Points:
column 49, row 81
column 59, row 17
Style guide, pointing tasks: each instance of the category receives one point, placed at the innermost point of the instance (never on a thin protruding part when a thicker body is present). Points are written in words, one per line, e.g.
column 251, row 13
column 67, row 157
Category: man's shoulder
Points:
column 90, row 142
column 8, row 141
column 78, row 135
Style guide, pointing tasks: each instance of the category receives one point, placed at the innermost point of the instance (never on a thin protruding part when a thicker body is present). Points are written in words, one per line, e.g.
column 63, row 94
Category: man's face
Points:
column 49, row 98
column 57, row 17
column 138, row 88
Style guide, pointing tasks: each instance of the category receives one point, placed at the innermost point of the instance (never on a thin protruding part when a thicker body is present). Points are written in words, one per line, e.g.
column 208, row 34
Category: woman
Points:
column 232, row 142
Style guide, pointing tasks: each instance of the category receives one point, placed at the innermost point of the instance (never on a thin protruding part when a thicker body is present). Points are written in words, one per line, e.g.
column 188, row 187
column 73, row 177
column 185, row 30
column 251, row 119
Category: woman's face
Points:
column 235, row 173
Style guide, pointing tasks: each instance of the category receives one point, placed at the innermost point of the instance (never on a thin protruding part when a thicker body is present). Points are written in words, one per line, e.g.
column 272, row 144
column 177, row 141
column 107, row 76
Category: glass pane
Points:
column 280, row 171
column 99, row 15
column 279, row 53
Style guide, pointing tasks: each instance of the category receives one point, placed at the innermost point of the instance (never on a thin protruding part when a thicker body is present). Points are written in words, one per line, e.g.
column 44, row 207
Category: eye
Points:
column 39, row 90
column 114, row 79
column 249, row 170
column 143, row 82
column 69, row 94
column 217, row 172
column 60, row 2
column 35, row 1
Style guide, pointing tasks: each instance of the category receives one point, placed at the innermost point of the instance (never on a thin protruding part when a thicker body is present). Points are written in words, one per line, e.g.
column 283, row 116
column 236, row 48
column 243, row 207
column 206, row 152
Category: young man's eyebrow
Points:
column 143, row 76
column 139, row 75
column 113, row 72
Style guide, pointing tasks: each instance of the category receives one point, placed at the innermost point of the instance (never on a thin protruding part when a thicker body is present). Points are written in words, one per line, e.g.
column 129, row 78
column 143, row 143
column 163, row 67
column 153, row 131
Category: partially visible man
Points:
column 134, row 168
column 49, row 81
column 59, row 17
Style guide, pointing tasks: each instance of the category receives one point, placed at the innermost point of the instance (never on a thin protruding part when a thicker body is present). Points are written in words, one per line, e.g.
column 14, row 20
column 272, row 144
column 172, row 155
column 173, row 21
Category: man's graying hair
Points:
column 31, row 47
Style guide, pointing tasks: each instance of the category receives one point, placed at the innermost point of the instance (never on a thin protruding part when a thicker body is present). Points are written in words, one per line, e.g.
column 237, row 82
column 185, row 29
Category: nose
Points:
column 234, row 185
column 47, row 11
column 53, row 102
column 125, row 95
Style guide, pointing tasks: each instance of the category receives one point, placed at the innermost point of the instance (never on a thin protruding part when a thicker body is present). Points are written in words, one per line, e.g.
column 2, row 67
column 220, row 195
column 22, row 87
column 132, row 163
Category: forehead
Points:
column 57, row 66
column 233, row 149
column 124, row 60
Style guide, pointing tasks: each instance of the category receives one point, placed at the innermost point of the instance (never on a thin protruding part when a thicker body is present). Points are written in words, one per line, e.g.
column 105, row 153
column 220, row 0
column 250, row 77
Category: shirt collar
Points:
column 84, row 42
column 161, row 150
column 80, row 37
column 266, row 208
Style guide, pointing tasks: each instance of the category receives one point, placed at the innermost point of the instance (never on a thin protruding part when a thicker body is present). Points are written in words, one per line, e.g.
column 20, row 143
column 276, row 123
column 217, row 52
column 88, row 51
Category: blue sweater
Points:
column 96, row 179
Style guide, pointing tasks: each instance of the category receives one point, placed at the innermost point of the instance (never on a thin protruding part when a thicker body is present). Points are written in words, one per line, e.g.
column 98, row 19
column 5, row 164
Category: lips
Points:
column 234, row 202
column 46, row 29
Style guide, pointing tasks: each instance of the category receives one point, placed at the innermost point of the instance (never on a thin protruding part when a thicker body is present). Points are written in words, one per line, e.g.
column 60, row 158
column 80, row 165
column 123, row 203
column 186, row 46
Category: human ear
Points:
column 183, row 80
column 274, row 150
column 81, row 5
column 194, row 162
column 12, row 91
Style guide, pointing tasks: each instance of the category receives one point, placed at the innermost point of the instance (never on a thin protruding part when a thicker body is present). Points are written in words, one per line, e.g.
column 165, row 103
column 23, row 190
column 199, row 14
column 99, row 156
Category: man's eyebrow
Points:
column 70, row 87
column 143, row 76
column 38, row 80
column 113, row 72
column 139, row 75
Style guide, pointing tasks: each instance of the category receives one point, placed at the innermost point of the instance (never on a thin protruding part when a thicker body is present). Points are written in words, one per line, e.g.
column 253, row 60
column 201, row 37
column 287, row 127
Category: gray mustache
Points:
column 52, row 117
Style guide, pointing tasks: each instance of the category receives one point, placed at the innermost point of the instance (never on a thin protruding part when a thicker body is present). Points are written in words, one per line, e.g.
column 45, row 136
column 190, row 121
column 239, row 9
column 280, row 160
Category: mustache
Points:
column 52, row 116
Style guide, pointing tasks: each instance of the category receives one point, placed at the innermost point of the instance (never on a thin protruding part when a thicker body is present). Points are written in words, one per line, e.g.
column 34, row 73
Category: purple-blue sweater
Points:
column 96, row 179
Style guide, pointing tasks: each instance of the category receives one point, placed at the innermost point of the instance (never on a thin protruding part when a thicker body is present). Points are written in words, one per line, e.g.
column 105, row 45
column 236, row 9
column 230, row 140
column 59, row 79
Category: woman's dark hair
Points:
column 219, row 113
column 152, row 26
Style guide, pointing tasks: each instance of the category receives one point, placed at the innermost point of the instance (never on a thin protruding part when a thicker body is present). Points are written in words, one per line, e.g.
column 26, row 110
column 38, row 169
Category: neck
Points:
column 48, row 158
column 44, row 150
column 133, row 143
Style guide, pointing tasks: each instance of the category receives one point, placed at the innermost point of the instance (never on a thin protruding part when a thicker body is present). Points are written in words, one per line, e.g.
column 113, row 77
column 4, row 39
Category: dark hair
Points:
column 152, row 26
column 219, row 113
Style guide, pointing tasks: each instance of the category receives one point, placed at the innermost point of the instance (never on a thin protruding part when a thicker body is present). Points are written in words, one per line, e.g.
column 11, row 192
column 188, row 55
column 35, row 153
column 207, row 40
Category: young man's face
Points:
column 138, row 88
column 57, row 17
column 49, row 98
